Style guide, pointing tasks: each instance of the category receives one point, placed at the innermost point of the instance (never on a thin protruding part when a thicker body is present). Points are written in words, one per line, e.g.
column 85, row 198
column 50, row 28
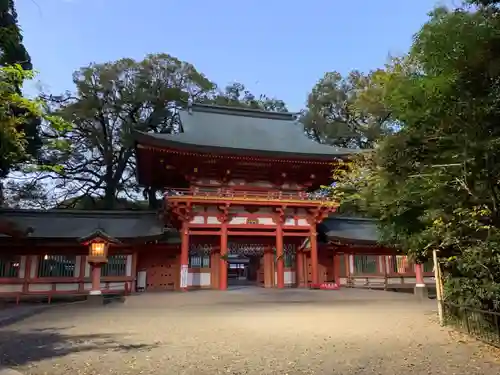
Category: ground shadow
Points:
column 20, row 315
column 20, row 348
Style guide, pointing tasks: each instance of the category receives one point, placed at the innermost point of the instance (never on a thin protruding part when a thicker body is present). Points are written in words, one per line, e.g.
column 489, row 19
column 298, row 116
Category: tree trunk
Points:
column 152, row 201
column 109, row 197
column 2, row 198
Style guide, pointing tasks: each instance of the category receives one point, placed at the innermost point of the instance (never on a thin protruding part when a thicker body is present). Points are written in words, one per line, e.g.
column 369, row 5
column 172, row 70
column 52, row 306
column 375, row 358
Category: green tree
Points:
column 436, row 182
column 112, row 100
column 15, row 111
column 236, row 95
column 342, row 111
column 12, row 50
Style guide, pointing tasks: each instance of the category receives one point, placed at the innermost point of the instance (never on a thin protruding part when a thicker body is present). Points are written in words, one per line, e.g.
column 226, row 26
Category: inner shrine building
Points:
column 240, row 185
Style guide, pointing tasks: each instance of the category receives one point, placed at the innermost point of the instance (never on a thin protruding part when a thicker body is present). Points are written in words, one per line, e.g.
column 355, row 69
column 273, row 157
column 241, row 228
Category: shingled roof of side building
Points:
column 250, row 132
column 64, row 224
column 350, row 229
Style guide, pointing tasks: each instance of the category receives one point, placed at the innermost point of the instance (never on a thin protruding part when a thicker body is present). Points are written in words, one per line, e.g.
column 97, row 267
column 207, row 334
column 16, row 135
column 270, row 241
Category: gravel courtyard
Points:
column 244, row 331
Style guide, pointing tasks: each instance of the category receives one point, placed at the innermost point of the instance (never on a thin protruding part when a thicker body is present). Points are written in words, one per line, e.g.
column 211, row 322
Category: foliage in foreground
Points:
column 435, row 184
column 13, row 139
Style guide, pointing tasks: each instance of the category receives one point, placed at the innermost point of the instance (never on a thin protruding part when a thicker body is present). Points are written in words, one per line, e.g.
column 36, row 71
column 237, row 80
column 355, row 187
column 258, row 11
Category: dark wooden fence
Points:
column 481, row 324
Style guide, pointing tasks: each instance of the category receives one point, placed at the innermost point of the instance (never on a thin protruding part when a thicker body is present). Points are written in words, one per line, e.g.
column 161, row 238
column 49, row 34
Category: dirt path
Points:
column 247, row 331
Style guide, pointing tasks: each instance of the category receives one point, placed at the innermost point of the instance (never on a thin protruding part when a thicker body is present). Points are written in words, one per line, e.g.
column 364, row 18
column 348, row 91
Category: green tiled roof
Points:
column 350, row 229
column 242, row 131
column 74, row 224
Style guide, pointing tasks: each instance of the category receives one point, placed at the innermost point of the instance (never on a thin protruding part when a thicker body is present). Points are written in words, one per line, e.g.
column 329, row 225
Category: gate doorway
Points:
column 242, row 270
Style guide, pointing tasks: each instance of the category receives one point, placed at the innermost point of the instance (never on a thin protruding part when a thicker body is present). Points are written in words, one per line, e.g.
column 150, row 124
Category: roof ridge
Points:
column 351, row 218
column 242, row 111
column 64, row 211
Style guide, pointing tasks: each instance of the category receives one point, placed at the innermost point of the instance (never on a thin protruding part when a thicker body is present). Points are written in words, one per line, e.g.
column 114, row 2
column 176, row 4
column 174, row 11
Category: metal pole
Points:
column 439, row 294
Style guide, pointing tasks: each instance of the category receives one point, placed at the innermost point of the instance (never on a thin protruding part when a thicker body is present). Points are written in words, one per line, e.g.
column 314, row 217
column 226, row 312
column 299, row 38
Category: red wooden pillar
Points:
column 299, row 273
column 420, row 287
column 419, row 275
column 96, row 279
column 223, row 258
column 184, row 256
column 280, row 262
column 314, row 257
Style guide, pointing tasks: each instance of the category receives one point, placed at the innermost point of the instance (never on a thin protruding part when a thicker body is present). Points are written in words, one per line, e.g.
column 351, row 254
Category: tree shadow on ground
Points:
column 21, row 348
column 20, row 315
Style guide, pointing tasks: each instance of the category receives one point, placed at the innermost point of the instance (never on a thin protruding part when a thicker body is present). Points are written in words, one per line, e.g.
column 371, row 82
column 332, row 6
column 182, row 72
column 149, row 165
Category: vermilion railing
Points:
column 256, row 195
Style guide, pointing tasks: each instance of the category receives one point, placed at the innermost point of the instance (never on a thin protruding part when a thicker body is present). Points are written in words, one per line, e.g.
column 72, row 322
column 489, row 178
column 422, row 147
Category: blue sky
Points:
column 280, row 48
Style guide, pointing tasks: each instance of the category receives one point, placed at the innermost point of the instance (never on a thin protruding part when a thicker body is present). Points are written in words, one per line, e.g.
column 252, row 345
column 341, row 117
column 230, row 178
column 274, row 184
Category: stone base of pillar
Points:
column 95, row 299
column 421, row 292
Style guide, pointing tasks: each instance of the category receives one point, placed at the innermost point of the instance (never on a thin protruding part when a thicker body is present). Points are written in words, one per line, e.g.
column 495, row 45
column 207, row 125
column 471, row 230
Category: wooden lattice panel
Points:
column 162, row 270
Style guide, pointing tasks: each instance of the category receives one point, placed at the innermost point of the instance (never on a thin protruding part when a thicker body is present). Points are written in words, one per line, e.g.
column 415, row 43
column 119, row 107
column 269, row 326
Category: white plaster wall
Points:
column 117, row 286
column 22, row 267
column 78, row 262
column 67, row 287
column 11, row 288
column 128, row 266
column 39, row 287
column 34, row 261
column 303, row 222
column 394, row 280
column 266, row 221
column 289, row 277
column 198, row 279
column 87, row 268
column 197, row 220
column 213, row 220
column 238, row 220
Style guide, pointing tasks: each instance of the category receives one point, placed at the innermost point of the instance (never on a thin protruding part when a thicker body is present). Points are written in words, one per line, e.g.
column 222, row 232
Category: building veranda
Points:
column 238, row 208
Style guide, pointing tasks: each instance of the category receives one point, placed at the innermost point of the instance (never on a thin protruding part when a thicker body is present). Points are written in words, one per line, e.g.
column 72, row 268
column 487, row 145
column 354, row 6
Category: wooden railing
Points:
column 223, row 193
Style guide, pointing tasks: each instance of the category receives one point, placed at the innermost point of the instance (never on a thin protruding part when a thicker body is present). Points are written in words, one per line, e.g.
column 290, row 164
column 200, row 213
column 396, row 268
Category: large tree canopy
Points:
column 341, row 111
column 435, row 184
column 112, row 100
column 237, row 95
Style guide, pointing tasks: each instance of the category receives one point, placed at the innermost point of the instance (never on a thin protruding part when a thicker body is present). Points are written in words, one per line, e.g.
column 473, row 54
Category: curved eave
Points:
column 145, row 140
column 352, row 241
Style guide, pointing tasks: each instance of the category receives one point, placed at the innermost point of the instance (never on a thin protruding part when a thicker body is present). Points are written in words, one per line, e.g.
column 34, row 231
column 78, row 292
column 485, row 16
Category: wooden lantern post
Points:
column 98, row 244
column 98, row 255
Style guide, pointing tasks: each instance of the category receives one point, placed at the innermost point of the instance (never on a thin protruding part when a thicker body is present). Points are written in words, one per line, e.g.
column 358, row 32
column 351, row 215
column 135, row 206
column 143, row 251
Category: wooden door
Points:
column 162, row 270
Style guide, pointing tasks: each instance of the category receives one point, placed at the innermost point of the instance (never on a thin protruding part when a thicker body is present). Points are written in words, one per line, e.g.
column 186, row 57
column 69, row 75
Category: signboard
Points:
column 184, row 276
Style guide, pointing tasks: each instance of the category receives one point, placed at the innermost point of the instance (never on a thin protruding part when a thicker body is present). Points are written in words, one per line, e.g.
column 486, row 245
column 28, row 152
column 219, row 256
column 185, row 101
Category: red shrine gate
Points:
column 273, row 233
column 241, row 176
